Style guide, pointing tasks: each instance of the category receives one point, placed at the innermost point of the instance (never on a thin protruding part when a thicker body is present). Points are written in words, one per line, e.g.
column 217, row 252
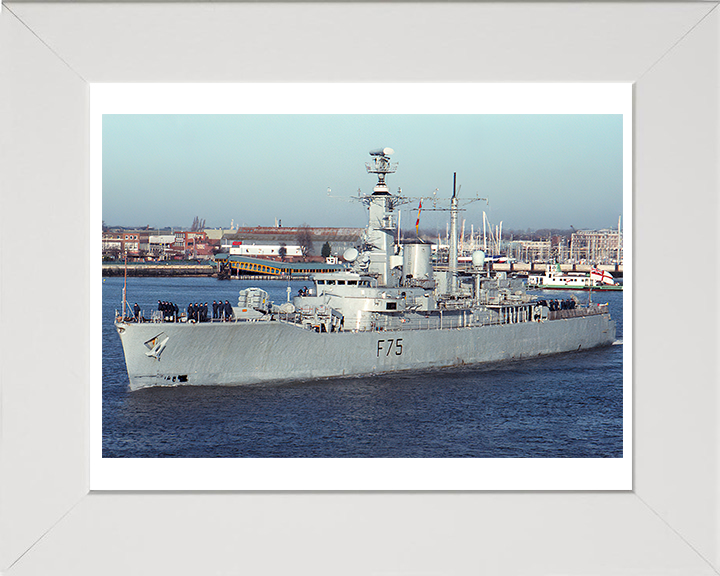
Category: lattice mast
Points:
column 380, row 233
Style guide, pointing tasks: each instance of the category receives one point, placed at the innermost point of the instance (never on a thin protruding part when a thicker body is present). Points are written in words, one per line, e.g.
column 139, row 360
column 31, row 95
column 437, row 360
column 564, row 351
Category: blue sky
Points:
column 537, row 171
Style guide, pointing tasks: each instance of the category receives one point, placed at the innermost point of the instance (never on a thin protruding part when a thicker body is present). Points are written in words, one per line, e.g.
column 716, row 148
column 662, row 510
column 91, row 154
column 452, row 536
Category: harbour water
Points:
column 564, row 406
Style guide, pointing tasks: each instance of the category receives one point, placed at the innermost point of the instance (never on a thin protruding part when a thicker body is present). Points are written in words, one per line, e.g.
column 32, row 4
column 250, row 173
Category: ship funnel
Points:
column 416, row 260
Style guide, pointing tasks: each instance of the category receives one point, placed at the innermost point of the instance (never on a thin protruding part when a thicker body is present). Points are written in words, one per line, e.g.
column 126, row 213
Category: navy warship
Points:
column 389, row 311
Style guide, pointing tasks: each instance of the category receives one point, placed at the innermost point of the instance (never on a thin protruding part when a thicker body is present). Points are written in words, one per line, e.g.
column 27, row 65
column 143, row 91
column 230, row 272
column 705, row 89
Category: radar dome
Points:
column 478, row 258
column 351, row 254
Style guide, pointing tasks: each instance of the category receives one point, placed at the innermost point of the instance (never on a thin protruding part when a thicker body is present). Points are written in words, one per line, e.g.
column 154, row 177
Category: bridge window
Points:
column 342, row 282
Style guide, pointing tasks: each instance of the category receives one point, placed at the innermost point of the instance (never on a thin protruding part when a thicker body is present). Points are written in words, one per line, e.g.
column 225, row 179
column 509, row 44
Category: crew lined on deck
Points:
column 168, row 311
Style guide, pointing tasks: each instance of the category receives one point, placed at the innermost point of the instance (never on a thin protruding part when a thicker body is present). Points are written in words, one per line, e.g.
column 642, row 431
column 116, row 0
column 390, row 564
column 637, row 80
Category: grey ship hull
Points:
column 241, row 353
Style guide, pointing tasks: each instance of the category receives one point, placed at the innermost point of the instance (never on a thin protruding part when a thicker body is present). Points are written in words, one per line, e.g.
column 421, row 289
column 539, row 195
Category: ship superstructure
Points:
column 390, row 310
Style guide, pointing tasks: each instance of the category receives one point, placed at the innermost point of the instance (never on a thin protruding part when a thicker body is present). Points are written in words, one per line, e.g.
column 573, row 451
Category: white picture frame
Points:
column 298, row 473
column 49, row 53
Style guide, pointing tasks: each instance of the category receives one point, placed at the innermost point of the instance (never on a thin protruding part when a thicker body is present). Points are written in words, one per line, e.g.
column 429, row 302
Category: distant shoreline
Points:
column 209, row 268
column 186, row 270
column 151, row 269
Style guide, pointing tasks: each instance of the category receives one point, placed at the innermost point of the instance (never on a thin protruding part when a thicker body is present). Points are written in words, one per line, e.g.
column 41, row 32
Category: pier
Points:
column 159, row 269
column 303, row 271
column 522, row 268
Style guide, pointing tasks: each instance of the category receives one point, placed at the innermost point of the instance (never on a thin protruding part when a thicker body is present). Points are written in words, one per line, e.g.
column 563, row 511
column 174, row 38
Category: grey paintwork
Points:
column 387, row 314
column 252, row 352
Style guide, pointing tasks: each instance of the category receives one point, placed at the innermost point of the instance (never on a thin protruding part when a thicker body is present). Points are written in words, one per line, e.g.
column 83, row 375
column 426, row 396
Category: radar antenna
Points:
column 381, row 166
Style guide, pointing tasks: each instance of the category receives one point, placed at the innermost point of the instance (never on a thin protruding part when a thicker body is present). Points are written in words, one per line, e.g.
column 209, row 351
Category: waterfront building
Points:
column 596, row 246
column 309, row 240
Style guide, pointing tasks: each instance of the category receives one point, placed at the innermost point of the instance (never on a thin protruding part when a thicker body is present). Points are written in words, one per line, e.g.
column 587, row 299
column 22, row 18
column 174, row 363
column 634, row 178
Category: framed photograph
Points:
column 567, row 132
column 54, row 516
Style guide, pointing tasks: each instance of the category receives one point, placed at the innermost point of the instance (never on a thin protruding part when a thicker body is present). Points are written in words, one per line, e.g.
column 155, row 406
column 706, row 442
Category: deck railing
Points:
column 591, row 310
column 431, row 322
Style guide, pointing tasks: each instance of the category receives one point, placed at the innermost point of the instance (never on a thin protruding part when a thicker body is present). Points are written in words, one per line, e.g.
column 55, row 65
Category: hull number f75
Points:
column 389, row 346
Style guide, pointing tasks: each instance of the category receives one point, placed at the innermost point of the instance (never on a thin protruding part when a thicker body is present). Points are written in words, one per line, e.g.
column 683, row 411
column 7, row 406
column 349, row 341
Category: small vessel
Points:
column 556, row 279
column 388, row 311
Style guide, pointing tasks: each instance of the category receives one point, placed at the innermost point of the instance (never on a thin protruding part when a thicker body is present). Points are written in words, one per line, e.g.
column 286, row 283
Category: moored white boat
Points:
column 555, row 279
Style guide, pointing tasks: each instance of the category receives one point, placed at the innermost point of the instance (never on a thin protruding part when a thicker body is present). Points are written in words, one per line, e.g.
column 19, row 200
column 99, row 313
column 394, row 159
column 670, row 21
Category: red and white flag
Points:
column 601, row 276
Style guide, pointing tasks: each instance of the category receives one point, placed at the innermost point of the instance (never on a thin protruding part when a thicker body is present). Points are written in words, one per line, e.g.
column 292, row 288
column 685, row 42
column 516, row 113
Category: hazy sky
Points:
column 538, row 171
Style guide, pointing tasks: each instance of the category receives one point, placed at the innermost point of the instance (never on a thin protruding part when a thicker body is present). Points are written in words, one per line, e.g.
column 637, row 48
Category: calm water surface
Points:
column 568, row 405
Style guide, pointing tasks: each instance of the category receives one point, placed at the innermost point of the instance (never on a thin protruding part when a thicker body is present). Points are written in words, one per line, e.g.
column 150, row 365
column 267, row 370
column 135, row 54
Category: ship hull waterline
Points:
column 245, row 353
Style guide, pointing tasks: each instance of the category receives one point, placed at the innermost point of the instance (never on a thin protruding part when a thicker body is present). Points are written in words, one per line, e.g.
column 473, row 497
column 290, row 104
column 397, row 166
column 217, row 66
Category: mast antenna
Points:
column 453, row 248
column 381, row 166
